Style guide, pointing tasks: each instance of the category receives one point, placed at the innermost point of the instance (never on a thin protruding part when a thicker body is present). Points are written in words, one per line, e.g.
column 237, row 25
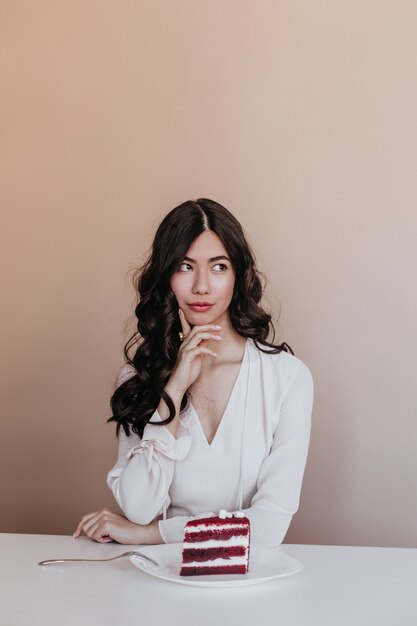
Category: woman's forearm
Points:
column 163, row 410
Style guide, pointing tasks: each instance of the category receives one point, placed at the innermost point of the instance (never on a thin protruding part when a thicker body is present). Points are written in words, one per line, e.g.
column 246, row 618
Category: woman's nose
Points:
column 201, row 282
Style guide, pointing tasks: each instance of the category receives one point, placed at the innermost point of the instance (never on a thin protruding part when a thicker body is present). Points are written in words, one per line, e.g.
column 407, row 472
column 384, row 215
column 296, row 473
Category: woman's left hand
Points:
column 104, row 526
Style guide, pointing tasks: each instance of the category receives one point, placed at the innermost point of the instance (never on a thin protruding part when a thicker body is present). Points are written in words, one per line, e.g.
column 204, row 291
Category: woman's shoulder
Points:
column 282, row 364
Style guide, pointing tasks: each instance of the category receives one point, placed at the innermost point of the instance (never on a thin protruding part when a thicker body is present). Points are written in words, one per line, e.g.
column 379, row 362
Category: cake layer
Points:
column 215, row 526
column 209, row 554
column 242, row 540
column 216, row 534
column 186, row 570
column 217, row 521
column 234, row 560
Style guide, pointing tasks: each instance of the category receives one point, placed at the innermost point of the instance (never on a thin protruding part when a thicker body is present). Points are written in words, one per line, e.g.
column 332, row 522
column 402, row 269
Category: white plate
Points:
column 264, row 564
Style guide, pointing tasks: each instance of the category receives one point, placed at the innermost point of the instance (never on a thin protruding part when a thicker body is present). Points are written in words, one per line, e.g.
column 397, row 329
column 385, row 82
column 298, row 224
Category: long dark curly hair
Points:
column 156, row 339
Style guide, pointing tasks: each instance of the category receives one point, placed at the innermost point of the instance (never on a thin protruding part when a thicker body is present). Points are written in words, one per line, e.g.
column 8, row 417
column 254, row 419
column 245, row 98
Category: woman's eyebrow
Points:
column 214, row 258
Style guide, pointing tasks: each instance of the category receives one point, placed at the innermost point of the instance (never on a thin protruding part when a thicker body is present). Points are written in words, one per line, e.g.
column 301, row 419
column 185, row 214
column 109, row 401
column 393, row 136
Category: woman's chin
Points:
column 197, row 318
column 200, row 319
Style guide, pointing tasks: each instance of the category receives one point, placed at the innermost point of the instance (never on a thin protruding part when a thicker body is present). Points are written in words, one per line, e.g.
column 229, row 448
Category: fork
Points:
column 129, row 553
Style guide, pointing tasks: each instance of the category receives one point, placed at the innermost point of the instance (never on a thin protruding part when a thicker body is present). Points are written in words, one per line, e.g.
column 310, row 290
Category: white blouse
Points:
column 255, row 462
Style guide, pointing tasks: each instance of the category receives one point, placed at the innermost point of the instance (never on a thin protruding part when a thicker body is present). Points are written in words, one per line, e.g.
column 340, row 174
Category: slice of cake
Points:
column 216, row 545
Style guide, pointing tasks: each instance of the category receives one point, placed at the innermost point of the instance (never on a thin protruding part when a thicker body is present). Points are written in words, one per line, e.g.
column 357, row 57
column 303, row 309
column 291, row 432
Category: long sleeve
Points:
column 143, row 473
column 281, row 473
column 141, row 478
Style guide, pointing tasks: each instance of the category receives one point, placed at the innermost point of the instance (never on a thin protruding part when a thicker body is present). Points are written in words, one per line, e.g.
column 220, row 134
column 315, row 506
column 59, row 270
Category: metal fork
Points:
column 130, row 553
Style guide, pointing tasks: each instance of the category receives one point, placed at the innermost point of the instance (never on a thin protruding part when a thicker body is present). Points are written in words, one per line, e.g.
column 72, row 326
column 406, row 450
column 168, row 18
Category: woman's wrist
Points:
column 175, row 394
column 150, row 534
column 163, row 410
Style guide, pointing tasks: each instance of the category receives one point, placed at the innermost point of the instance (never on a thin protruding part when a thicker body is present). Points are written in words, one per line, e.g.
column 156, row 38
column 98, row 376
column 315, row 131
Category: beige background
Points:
column 298, row 116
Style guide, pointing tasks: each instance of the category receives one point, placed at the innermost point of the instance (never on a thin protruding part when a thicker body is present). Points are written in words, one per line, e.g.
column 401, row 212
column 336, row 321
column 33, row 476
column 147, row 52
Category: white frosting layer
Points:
column 212, row 527
column 234, row 560
column 213, row 543
column 223, row 514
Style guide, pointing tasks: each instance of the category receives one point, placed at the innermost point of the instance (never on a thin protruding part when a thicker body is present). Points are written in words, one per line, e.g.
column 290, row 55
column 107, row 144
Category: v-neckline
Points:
column 238, row 376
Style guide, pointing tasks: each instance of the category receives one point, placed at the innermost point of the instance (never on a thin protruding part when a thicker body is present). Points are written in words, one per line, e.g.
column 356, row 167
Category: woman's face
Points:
column 205, row 276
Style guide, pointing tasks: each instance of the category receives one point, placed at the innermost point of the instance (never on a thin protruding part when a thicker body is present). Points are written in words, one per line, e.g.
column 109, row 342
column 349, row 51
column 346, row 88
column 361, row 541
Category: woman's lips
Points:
column 200, row 308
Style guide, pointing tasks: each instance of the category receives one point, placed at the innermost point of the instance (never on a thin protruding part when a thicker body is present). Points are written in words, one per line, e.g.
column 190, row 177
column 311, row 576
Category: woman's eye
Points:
column 222, row 266
column 185, row 267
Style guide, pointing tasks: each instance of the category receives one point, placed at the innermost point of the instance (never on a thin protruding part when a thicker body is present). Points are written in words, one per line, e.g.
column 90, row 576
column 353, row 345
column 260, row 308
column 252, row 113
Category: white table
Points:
column 339, row 586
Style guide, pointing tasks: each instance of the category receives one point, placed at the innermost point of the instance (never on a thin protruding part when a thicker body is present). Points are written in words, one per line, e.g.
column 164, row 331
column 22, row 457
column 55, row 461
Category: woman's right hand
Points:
column 190, row 355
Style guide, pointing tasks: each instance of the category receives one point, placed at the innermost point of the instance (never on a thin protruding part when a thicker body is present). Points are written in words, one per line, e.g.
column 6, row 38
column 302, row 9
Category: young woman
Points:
column 210, row 415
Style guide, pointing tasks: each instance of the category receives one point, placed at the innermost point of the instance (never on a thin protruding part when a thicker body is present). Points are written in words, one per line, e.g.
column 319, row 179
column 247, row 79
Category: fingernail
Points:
column 179, row 311
column 215, row 353
column 74, row 537
column 215, row 326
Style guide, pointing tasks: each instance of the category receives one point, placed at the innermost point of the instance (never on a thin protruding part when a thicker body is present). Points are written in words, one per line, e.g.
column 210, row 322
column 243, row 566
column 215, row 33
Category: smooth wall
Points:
column 301, row 118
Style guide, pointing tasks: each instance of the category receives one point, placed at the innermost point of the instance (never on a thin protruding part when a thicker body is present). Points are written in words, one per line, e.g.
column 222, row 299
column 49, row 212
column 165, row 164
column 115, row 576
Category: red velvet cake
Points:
column 216, row 545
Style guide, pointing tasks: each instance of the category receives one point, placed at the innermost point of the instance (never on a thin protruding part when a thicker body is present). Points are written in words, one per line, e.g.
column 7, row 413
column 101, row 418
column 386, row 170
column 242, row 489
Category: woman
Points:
column 209, row 414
